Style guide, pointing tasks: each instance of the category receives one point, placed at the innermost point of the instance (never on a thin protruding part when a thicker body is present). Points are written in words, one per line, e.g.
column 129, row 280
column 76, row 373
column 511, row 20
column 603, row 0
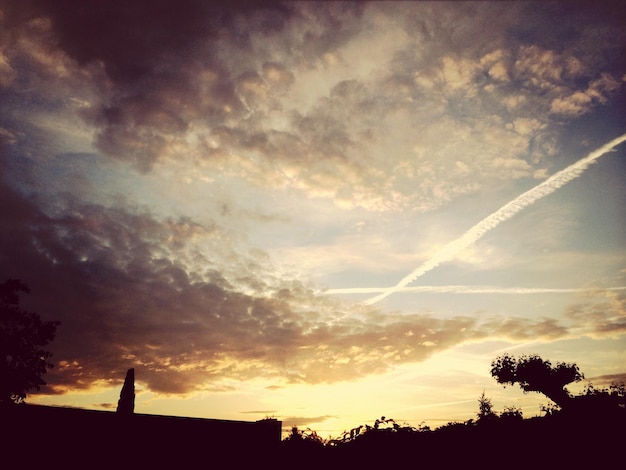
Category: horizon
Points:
column 315, row 211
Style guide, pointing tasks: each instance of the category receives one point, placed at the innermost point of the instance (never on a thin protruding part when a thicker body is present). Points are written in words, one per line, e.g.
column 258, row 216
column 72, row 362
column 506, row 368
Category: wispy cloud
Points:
column 466, row 290
column 507, row 211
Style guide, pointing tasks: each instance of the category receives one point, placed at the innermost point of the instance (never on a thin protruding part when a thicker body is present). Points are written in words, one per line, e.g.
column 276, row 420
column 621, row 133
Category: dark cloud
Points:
column 604, row 315
column 577, row 27
column 169, row 65
column 106, row 406
column 301, row 421
column 602, row 381
column 525, row 329
column 155, row 55
column 132, row 38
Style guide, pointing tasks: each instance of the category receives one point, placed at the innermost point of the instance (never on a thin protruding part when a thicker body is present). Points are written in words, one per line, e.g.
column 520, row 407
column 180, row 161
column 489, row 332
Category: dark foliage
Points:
column 492, row 440
column 602, row 400
column 23, row 337
column 505, row 441
column 534, row 374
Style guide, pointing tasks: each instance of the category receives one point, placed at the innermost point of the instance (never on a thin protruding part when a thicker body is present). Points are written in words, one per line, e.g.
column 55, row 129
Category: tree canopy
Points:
column 23, row 338
column 534, row 374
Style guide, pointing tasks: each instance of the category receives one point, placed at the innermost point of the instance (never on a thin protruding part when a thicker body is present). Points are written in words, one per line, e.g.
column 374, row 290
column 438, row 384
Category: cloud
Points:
column 580, row 102
column 300, row 421
column 148, row 99
column 607, row 380
column 603, row 315
column 260, row 412
column 288, row 95
column 524, row 329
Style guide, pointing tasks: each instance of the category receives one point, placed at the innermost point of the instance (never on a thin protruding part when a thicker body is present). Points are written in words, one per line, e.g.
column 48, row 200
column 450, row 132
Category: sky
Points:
column 318, row 212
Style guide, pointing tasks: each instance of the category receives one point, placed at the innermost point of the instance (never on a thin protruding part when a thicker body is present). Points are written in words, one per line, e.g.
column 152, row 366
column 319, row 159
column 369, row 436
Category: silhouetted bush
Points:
column 511, row 414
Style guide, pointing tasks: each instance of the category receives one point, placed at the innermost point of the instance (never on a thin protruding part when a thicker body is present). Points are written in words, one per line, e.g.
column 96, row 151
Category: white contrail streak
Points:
column 469, row 290
column 550, row 185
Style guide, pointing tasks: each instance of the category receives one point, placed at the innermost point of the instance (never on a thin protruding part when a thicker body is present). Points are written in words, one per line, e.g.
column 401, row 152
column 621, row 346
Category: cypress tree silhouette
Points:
column 126, row 403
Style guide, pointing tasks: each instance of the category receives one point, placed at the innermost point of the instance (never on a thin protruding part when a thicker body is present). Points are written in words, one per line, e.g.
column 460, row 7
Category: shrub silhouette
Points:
column 602, row 400
column 308, row 437
column 512, row 414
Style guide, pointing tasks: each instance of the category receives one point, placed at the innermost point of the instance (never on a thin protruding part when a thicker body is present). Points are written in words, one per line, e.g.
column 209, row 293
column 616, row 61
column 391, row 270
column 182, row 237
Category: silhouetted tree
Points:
column 485, row 410
column 534, row 374
column 23, row 337
column 126, row 403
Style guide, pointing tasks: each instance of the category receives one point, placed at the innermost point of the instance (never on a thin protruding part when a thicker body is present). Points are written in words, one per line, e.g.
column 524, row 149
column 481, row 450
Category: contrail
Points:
column 469, row 290
column 550, row 185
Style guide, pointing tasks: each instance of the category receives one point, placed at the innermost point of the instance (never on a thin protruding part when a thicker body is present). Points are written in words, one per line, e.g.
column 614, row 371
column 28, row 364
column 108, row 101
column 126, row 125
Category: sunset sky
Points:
column 283, row 209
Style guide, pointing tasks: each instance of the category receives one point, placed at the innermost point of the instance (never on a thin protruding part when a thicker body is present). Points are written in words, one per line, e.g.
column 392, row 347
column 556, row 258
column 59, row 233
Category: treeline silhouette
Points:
column 589, row 432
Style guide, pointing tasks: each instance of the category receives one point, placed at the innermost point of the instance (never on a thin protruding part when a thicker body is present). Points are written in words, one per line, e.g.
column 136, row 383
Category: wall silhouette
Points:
column 41, row 435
